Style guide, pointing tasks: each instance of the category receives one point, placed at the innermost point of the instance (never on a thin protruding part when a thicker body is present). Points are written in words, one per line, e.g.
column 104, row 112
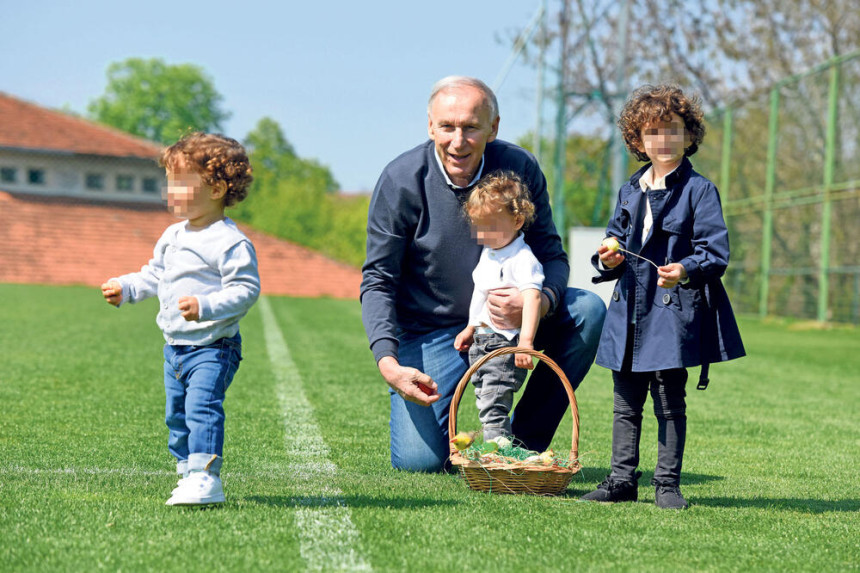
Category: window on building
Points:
column 95, row 181
column 8, row 175
column 36, row 176
column 124, row 183
column 150, row 185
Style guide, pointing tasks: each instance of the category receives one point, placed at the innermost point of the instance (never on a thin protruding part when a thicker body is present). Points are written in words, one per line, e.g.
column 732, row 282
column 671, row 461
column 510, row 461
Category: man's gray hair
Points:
column 453, row 82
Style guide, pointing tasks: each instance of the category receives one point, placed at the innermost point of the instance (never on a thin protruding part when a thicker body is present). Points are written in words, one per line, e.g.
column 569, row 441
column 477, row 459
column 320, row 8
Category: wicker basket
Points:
column 535, row 479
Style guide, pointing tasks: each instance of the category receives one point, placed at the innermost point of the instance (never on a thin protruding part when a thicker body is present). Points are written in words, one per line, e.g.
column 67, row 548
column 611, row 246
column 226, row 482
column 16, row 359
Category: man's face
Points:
column 460, row 125
column 664, row 142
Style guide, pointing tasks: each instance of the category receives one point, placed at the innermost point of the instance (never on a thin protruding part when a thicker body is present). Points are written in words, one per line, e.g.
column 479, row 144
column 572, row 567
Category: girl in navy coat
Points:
column 667, row 246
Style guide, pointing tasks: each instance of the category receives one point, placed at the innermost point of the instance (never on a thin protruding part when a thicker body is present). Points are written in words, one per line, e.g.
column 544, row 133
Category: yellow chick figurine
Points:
column 463, row 440
column 546, row 457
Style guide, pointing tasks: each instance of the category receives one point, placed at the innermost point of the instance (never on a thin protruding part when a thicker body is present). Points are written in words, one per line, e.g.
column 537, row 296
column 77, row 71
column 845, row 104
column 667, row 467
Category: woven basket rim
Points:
column 458, row 459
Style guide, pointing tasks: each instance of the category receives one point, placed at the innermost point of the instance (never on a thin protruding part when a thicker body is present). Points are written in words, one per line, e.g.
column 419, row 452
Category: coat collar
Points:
column 682, row 173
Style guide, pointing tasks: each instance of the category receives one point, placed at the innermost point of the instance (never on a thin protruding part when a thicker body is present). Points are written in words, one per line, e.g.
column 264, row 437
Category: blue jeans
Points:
column 419, row 435
column 195, row 381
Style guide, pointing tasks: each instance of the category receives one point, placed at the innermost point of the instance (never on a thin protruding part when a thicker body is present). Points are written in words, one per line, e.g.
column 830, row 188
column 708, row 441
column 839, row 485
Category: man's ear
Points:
column 430, row 128
column 494, row 129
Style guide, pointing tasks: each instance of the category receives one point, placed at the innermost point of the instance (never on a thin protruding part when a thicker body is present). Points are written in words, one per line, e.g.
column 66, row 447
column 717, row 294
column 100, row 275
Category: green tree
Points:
column 158, row 101
column 294, row 198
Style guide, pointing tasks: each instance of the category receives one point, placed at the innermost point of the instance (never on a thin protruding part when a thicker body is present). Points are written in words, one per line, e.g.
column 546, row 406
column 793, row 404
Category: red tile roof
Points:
column 63, row 241
column 24, row 125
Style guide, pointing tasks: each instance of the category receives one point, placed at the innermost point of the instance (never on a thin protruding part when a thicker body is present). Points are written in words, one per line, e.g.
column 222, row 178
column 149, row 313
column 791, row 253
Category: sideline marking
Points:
column 328, row 540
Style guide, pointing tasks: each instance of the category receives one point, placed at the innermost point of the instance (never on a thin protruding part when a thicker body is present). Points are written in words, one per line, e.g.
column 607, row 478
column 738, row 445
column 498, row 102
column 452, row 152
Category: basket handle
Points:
column 461, row 387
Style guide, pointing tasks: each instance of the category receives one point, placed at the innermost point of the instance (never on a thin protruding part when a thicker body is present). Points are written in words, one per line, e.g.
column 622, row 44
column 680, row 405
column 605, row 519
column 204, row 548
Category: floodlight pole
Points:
column 619, row 152
column 537, row 141
column 561, row 125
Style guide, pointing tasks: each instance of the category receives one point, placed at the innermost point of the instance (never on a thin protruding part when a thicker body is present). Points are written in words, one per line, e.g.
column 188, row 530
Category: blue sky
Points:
column 347, row 81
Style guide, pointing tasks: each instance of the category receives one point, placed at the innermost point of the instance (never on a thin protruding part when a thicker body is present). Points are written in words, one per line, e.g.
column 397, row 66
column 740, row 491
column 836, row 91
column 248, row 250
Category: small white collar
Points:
column 448, row 179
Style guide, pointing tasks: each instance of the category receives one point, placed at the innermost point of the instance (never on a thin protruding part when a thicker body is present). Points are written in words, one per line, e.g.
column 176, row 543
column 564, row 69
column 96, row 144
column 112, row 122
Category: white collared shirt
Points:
column 647, row 182
column 514, row 265
column 448, row 179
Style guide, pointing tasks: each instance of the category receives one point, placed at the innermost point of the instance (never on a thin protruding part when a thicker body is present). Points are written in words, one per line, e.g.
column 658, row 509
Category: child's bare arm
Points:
column 464, row 339
column 531, row 317
column 112, row 291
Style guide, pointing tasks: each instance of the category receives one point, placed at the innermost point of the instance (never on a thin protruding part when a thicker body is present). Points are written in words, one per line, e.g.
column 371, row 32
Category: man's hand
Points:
column 464, row 339
column 189, row 307
column 608, row 257
column 505, row 306
column 410, row 383
column 112, row 291
column 671, row 274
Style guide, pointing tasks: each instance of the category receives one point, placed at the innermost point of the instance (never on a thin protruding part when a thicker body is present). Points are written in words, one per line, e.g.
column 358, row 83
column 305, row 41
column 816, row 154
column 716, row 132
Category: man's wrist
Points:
column 552, row 299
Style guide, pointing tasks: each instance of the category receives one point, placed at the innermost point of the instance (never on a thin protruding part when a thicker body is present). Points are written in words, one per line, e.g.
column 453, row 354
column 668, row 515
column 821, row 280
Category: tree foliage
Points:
column 158, row 101
column 732, row 53
column 295, row 199
column 726, row 50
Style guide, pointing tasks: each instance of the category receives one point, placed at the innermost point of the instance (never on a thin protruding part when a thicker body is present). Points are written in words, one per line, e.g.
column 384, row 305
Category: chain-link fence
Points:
column 788, row 167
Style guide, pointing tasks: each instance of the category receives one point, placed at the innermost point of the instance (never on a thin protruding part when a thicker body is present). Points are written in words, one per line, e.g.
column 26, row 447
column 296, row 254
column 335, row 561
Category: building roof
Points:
column 61, row 241
column 27, row 126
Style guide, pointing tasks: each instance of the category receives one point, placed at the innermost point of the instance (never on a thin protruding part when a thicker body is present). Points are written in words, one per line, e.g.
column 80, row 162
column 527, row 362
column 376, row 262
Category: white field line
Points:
column 328, row 539
column 84, row 471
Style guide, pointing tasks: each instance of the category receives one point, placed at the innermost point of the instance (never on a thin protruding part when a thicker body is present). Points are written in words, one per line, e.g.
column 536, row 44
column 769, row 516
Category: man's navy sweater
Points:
column 420, row 252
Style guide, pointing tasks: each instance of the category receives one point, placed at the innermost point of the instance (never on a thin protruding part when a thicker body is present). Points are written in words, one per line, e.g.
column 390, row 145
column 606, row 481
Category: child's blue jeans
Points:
column 195, row 381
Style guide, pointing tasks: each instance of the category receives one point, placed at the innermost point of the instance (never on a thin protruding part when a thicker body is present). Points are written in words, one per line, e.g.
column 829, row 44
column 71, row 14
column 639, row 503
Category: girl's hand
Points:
column 112, row 291
column 608, row 257
column 671, row 275
column 189, row 307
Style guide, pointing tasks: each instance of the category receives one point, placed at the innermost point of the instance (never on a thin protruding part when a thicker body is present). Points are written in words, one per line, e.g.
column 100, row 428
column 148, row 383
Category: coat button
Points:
column 615, row 296
column 667, row 299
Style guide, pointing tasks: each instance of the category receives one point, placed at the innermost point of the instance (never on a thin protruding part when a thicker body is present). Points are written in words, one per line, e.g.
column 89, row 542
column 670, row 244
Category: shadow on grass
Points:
column 590, row 477
column 347, row 501
column 782, row 503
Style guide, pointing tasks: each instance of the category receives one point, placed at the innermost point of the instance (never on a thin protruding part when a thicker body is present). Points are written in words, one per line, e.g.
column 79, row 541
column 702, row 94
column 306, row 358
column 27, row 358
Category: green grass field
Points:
column 770, row 472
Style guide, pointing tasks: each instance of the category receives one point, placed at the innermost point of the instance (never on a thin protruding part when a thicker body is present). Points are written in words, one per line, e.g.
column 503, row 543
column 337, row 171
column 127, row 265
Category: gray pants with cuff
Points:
column 495, row 383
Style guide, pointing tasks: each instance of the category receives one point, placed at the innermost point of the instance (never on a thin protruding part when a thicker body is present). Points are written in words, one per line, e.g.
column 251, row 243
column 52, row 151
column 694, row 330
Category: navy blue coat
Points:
column 690, row 324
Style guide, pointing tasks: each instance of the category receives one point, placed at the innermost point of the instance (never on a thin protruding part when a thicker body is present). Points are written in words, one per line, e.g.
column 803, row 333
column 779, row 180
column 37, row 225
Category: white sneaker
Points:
column 179, row 484
column 199, row 488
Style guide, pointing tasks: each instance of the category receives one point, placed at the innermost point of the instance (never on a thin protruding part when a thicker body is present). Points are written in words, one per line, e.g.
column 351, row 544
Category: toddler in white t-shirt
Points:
column 499, row 208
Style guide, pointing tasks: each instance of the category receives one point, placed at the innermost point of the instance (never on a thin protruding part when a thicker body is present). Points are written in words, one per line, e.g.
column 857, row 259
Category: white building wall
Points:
column 582, row 244
column 74, row 175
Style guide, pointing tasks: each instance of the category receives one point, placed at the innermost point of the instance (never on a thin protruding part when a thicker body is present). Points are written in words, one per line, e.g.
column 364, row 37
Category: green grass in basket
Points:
column 770, row 469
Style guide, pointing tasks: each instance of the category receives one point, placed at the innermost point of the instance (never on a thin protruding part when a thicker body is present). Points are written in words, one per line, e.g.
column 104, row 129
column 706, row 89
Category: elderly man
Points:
column 417, row 280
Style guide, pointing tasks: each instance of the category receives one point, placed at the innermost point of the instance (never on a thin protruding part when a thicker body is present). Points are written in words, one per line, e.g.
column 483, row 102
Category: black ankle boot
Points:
column 668, row 496
column 613, row 490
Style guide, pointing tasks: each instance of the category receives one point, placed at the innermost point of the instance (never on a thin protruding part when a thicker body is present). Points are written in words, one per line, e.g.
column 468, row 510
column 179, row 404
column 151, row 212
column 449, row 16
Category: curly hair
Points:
column 648, row 104
column 502, row 190
column 216, row 158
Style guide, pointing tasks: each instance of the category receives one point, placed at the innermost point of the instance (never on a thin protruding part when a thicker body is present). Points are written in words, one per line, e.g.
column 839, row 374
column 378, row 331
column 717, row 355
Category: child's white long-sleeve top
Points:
column 512, row 265
column 216, row 264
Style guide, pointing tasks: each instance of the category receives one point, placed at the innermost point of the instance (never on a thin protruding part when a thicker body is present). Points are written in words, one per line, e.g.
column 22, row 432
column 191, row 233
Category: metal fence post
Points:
column 826, row 207
column 767, row 223
column 726, row 155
